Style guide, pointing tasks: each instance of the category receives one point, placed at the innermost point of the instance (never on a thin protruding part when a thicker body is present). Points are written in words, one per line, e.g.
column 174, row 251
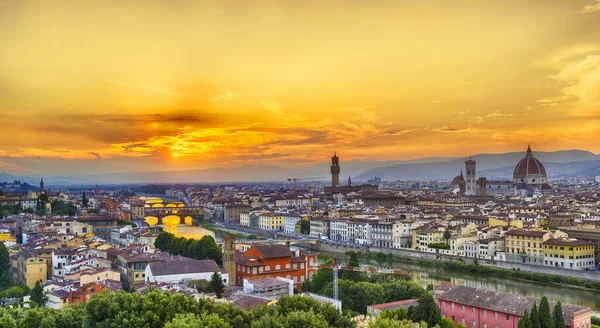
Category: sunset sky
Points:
column 116, row 86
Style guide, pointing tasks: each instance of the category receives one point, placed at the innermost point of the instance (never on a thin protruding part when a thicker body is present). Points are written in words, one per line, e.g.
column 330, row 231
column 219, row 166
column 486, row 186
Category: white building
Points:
column 184, row 270
column 381, row 234
column 338, row 229
column 289, row 223
column 319, row 227
column 402, row 234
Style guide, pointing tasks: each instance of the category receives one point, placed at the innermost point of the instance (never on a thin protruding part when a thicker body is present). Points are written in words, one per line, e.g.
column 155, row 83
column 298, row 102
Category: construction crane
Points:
column 300, row 179
column 336, row 268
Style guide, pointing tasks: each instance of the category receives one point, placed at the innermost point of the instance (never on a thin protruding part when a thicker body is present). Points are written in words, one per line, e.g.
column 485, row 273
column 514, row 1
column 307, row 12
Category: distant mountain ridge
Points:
column 564, row 163
column 490, row 165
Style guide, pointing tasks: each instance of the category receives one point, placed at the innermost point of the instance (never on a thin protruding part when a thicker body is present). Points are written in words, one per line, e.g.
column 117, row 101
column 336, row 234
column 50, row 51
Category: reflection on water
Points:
column 532, row 289
column 184, row 230
column 570, row 295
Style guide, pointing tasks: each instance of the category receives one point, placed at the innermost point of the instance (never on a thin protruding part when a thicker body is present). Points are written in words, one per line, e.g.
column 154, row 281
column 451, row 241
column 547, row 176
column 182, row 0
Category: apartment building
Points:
column 569, row 254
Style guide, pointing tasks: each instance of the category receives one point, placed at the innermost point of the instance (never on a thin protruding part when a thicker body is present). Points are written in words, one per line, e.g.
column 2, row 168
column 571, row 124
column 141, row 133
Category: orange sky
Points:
column 112, row 86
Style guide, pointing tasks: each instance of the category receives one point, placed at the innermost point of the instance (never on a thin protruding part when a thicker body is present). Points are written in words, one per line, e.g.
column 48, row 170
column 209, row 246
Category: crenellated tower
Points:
column 335, row 171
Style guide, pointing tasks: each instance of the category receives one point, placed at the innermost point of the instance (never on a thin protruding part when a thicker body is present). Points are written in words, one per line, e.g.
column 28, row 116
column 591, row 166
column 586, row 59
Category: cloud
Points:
column 499, row 113
column 582, row 90
column 227, row 96
column 452, row 129
column 147, row 88
column 593, row 8
column 465, row 112
column 6, row 166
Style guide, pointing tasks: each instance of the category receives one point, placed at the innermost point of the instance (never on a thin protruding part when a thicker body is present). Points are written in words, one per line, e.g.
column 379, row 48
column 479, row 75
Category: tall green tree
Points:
column 447, row 236
column 354, row 263
column 216, row 284
column 4, row 258
column 557, row 316
column 37, row 295
column 426, row 310
column 535, row 317
column 544, row 314
column 190, row 320
column 84, row 200
column 525, row 321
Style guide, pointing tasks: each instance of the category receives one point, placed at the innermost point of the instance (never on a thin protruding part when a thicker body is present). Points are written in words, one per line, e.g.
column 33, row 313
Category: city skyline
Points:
column 116, row 87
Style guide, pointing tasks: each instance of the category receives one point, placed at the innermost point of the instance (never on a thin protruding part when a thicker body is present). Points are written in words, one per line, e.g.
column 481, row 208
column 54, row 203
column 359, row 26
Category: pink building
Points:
column 482, row 308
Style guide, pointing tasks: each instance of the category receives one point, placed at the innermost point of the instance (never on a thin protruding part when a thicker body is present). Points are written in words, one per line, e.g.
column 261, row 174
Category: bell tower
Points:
column 471, row 177
column 229, row 259
column 335, row 171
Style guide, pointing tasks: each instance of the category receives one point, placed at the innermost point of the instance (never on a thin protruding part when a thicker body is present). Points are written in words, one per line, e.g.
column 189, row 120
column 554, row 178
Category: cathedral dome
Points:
column 530, row 170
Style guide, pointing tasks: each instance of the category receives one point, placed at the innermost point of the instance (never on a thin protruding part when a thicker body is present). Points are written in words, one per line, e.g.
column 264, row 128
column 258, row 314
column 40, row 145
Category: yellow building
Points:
column 5, row 235
column 270, row 221
column 569, row 254
column 90, row 276
column 33, row 268
column 526, row 244
column 421, row 238
column 494, row 222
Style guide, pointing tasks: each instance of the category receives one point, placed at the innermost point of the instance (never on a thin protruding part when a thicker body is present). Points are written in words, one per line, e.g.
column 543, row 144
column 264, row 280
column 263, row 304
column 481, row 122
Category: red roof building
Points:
column 264, row 260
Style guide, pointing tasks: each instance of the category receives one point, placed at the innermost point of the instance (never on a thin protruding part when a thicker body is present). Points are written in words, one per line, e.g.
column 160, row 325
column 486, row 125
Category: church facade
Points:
column 529, row 178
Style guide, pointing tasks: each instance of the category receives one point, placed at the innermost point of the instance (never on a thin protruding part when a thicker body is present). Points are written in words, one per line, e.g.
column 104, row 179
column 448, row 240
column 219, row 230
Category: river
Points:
column 426, row 276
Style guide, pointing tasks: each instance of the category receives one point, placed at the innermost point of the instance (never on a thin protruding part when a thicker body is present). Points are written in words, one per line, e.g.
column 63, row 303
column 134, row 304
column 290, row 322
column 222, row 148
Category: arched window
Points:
column 288, row 266
column 268, row 268
column 278, row 267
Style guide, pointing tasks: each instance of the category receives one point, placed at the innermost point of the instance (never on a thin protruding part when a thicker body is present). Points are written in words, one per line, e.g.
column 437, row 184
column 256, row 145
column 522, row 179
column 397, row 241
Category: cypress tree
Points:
column 557, row 316
column 545, row 315
column 525, row 321
column 535, row 317
column 216, row 284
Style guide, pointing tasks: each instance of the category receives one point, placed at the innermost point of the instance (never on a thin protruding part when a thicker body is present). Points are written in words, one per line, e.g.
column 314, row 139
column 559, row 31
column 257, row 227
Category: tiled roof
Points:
column 184, row 266
column 247, row 302
column 394, row 305
column 497, row 301
column 273, row 251
column 519, row 232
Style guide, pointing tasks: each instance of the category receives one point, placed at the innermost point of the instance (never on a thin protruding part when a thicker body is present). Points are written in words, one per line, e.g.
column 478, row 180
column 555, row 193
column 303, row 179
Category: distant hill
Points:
column 557, row 163
column 15, row 185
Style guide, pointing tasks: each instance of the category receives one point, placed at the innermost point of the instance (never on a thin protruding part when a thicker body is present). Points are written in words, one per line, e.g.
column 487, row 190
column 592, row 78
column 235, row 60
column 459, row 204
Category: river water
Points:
column 426, row 276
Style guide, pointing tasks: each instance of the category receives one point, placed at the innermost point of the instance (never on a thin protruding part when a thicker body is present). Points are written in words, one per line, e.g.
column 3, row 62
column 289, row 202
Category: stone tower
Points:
column 42, row 186
column 229, row 259
column 471, row 177
column 335, row 171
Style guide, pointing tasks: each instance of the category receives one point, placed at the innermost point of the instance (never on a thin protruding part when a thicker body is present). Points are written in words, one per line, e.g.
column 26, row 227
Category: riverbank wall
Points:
column 410, row 253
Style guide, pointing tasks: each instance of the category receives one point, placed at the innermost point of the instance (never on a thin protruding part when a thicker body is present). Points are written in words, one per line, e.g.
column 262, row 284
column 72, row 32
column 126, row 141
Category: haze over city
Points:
column 146, row 86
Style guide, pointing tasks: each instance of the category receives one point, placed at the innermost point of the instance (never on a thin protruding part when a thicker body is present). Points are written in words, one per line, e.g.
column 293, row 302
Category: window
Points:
column 495, row 314
column 484, row 311
column 484, row 325
column 474, row 323
column 453, row 305
column 288, row 266
column 462, row 307
column 268, row 268
column 472, row 309
column 278, row 267
column 507, row 316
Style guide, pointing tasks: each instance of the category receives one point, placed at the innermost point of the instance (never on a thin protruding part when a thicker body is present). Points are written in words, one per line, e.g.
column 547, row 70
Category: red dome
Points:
column 459, row 179
column 529, row 166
